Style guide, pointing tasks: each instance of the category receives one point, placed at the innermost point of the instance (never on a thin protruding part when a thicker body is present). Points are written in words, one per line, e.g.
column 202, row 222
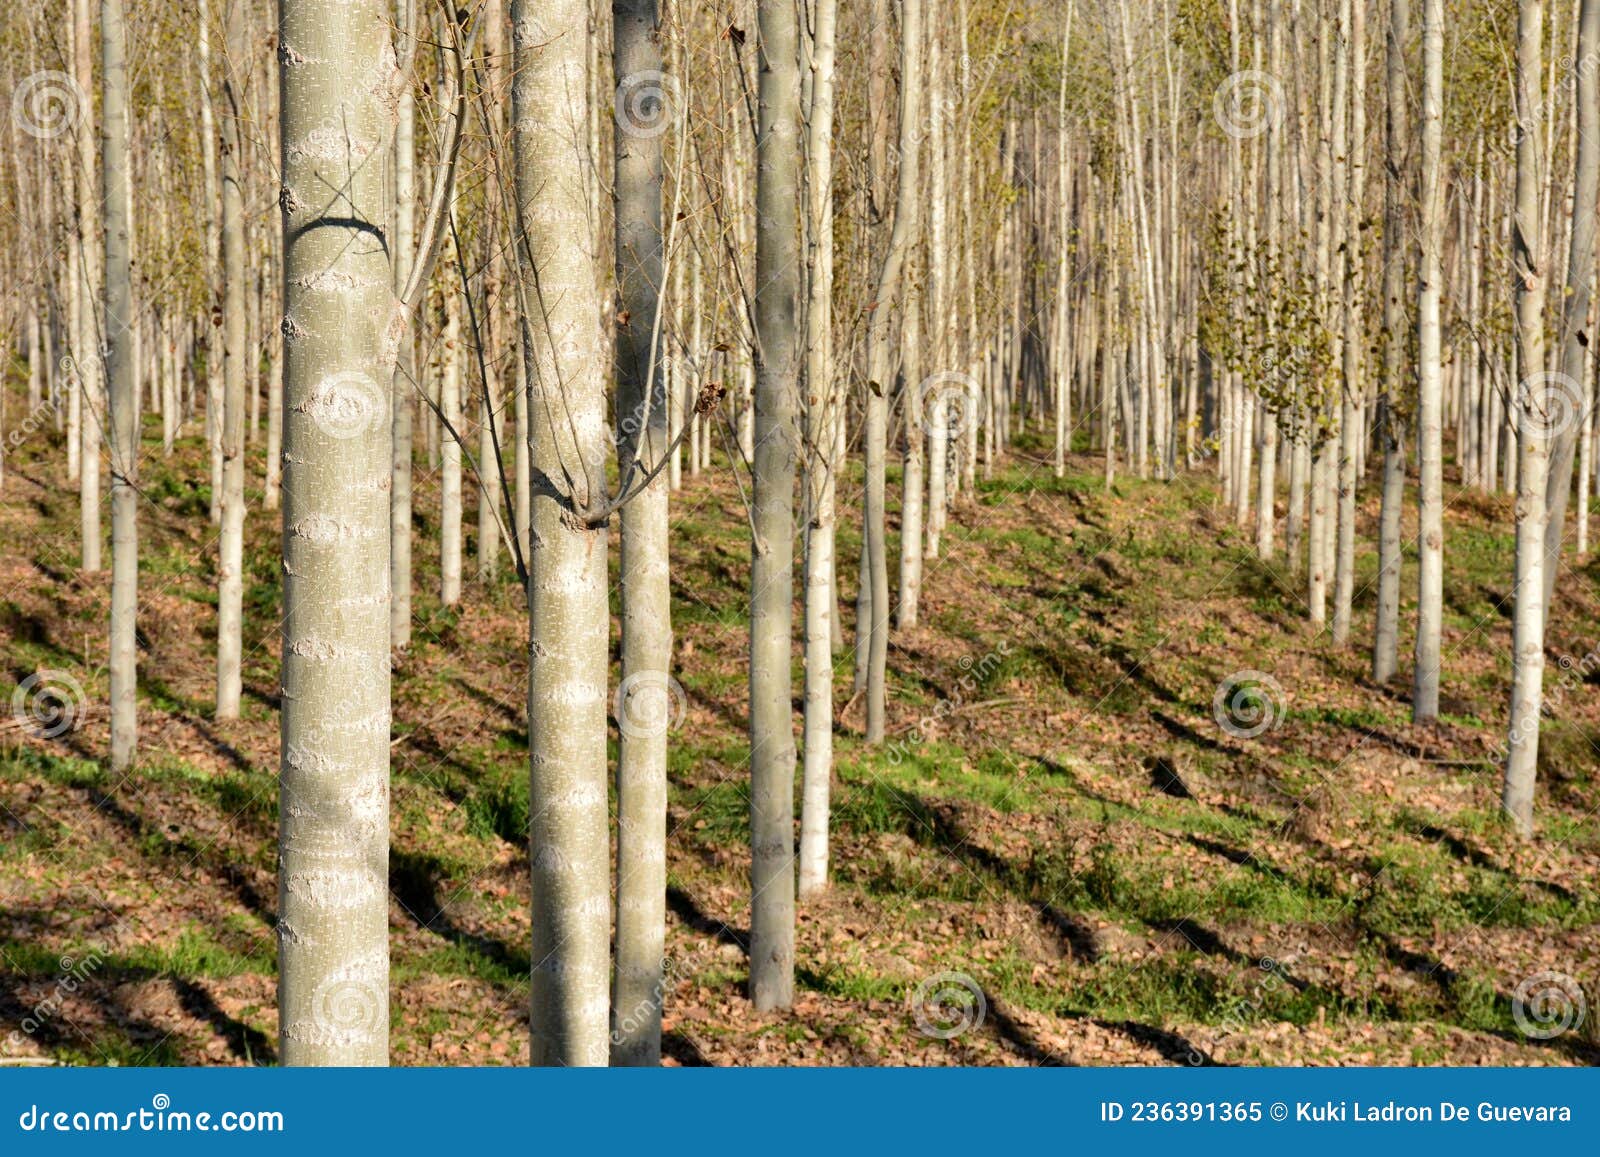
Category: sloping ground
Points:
column 1059, row 818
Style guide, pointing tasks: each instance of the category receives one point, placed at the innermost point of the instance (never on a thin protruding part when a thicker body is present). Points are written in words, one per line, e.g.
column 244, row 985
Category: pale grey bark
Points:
column 1573, row 420
column 86, row 338
column 644, row 702
column 1430, row 491
column 452, row 354
column 940, row 277
column 823, row 406
column 882, row 345
column 237, row 367
column 567, row 588
column 116, row 180
column 911, row 509
column 209, row 227
column 403, row 388
column 772, row 754
column 342, row 323
column 1534, row 403
column 1390, row 426
column 1351, row 393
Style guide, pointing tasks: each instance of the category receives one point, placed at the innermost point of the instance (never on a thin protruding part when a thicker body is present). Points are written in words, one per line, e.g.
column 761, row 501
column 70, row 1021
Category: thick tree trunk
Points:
column 341, row 324
column 644, row 702
column 567, row 587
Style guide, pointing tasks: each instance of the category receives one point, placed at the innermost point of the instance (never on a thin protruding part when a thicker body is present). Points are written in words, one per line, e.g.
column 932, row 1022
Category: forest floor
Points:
column 1058, row 816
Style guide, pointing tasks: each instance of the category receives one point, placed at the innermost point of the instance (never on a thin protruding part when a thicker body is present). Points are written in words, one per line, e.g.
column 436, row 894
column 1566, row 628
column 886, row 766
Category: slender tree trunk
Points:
column 452, row 353
column 911, row 509
column 644, row 702
column 209, row 227
column 822, row 412
column 403, row 387
column 88, row 336
column 1430, row 495
column 340, row 325
column 123, row 387
column 1390, row 425
column 881, row 348
column 1535, row 406
column 1569, row 417
column 1352, row 393
column 772, row 754
column 567, row 596
column 236, row 368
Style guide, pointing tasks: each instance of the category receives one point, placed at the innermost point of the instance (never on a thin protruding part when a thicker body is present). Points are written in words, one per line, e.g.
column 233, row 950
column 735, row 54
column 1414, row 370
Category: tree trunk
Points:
column 86, row 339
column 772, row 753
column 452, row 353
column 337, row 84
column 1390, row 426
column 567, row 596
column 882, row 344
column 236, row 368
column 1535, row 405
column 822, row 412
column 1352, row 394
column 645, row 699
column 403, row 386
column 1430, row 492
column 1570, row 418
column 123, row 387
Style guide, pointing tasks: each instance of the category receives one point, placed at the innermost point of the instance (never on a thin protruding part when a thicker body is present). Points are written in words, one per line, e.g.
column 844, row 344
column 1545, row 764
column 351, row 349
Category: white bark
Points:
column 1535, row 405
column 342, row 325
column 567, row 588
column 120, row 319
column 1430, row 493
column 823, row 406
